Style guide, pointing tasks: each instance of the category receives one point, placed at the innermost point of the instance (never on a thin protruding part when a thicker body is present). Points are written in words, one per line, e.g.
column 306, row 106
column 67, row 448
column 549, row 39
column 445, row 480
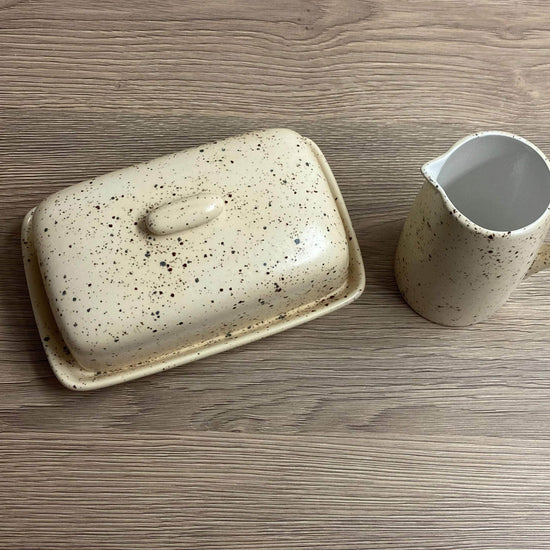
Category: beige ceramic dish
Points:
column 188, row 255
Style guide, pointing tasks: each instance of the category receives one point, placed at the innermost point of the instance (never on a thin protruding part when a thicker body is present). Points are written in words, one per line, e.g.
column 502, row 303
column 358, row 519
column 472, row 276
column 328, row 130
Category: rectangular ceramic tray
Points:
column 73, row 376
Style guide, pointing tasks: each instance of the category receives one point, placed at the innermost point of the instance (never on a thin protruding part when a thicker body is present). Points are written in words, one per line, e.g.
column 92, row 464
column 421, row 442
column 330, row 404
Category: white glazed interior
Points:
column 498, row 181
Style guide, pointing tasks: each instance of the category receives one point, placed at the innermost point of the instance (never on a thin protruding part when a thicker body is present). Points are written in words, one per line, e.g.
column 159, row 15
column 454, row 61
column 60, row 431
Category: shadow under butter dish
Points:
column 184, row 256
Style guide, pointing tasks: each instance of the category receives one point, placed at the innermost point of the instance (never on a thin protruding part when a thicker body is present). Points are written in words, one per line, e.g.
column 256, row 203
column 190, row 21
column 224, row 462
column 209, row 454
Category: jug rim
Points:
column 458, row 215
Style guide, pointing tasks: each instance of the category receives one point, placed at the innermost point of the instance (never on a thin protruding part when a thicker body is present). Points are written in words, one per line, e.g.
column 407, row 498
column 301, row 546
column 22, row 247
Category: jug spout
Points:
column 431, row 169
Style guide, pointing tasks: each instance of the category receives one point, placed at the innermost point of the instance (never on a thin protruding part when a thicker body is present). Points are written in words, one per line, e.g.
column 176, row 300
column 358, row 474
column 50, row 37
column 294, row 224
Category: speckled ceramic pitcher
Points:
column 476, row 228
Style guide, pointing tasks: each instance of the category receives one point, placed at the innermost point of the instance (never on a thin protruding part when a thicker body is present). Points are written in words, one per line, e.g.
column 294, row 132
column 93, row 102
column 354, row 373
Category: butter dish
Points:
column 187, row 255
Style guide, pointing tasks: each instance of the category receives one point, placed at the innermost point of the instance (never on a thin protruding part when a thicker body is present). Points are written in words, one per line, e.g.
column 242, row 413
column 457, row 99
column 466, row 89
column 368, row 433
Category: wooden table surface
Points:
column 367, row 428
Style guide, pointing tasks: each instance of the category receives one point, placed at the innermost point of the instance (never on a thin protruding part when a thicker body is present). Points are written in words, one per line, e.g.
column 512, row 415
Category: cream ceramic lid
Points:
column 189, row 248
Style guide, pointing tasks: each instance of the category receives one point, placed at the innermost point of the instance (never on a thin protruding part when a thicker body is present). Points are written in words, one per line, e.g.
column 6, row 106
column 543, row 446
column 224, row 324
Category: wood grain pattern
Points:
column 368, row 428
column 247, row 492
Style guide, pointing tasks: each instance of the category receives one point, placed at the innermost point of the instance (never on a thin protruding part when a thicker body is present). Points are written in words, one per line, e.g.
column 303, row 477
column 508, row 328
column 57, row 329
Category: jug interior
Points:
column 497, row 181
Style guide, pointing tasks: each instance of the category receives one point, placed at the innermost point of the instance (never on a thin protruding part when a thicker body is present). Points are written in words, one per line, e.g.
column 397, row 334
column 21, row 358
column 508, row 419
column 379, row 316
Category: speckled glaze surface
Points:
column 456, row 272
column 187, row 255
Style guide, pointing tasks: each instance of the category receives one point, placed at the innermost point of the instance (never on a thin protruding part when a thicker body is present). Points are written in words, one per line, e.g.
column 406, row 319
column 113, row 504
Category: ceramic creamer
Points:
column 476, row 228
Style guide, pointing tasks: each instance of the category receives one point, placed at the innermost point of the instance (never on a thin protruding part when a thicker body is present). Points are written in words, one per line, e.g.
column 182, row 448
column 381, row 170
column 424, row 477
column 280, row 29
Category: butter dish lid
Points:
column 190, row 247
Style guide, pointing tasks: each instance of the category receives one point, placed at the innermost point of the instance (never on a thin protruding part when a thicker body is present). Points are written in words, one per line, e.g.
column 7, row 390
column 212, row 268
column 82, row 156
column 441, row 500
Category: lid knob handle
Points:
column 184, row 214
